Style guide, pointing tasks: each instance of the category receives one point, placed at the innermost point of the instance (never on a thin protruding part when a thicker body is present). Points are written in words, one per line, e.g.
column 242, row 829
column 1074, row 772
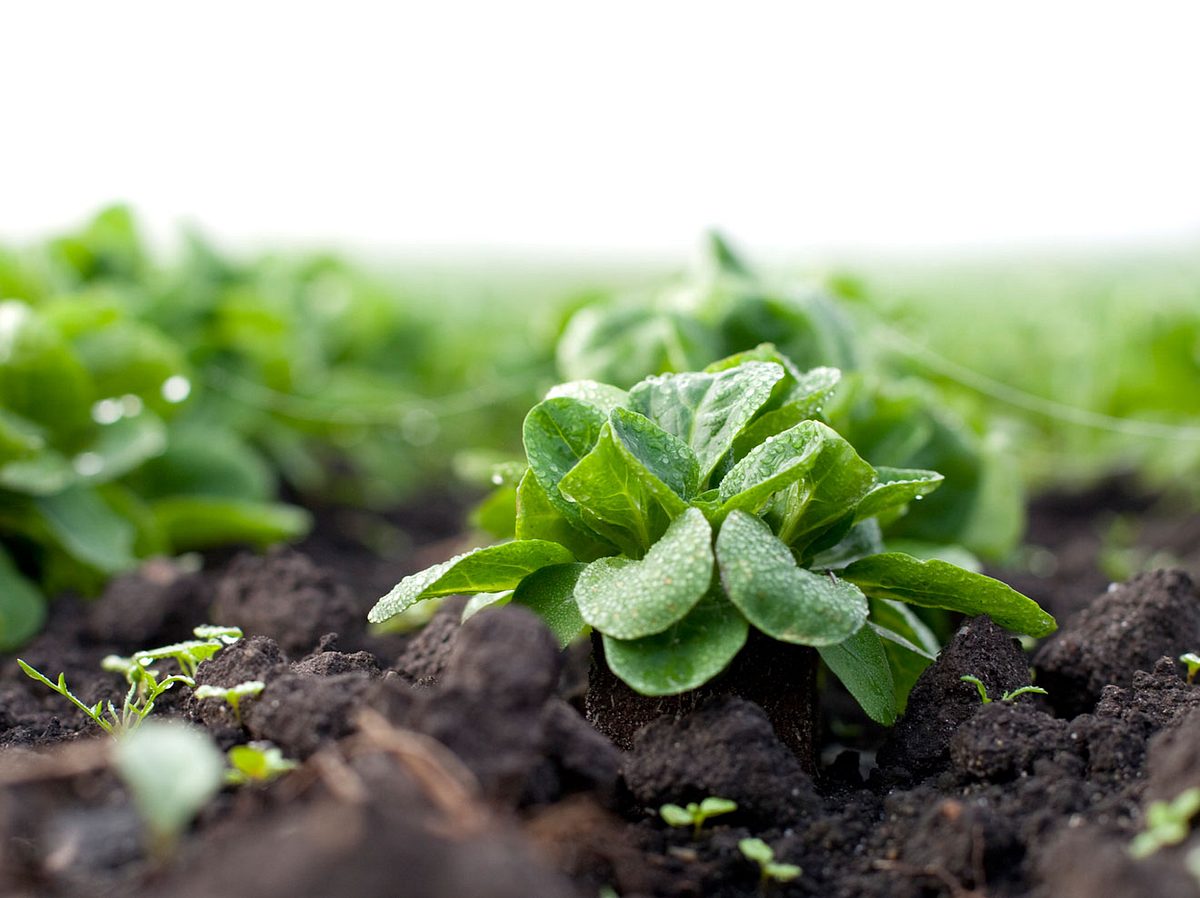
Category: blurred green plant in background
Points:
column 154, row 408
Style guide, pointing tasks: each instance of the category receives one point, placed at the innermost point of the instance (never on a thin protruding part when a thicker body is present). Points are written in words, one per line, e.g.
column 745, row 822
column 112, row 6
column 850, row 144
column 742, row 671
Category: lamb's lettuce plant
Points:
column 673, row 517
column 891, row 417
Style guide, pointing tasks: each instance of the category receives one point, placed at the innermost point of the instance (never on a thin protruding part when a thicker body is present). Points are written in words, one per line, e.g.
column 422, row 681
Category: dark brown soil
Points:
column 457, row 762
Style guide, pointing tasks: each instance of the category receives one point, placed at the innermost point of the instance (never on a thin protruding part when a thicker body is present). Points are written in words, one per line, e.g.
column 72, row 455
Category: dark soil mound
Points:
column 456, row 762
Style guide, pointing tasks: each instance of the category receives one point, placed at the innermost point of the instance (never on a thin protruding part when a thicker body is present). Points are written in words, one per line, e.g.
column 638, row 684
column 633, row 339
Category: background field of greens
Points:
column 154, row 405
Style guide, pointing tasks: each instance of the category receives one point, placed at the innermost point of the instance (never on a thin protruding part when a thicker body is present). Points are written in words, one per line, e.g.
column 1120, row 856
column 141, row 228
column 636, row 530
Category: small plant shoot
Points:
column 695, row 814
column 770, row 870
column 1167, row 823
column 256, row 763
column 146, row 683
column 172, row 770
column 672, row 517
column 1009, row 696
column 231, row 695
column 1192, row 661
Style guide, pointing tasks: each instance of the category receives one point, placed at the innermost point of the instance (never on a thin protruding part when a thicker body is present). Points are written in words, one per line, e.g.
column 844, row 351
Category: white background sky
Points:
column 560, row 126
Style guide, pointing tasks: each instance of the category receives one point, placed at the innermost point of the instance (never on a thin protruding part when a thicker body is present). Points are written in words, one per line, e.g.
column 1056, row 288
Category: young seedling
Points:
column 1012, row 695
column 256, row 762
column 694, row 815
column 145, row 686
column 672, row 517
column 1167, row 823
column 232, row 695
column 764, row 855
column 172, row 770
column 1192, row 661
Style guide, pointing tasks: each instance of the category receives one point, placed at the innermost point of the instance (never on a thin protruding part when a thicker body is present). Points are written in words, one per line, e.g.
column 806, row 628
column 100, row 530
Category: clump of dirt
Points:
column 285, row 596
column 1126, row 629
column 940, row 702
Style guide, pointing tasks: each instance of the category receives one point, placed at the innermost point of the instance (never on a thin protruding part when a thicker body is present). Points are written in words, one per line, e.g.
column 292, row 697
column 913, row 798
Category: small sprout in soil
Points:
column 1006, row 697
column 144, row 684
column 257, row 762
column 232, row 695
column 695, row 814
column 172, row 770
column 1167, row 823
column 764, row 855
column 1192, row 660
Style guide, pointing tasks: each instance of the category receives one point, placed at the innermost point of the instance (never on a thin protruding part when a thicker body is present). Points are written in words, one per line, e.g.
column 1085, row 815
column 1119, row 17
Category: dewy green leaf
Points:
column 803, row 401
column 550, row 593
column 605, row 397
column 489, row 569
column 88, row 529
column 537, row 518
column 22, row 608
column 660, row 452
column 895, row 487
column 936, row 584
column 629, row 599
column 686, row 654
column 558, row 433
column 861, row 663
column 707, row 411
column 773, row 466
column 817, row 512
column 783, row 600
column 620, row 496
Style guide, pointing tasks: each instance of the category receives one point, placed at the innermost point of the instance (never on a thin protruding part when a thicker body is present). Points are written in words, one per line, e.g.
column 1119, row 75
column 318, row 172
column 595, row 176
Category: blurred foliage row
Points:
column 149, row 409
column 153, row 409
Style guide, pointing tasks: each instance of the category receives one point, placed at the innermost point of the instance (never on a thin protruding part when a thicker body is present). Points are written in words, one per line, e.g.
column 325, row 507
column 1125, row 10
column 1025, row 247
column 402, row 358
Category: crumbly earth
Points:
column 458, row 762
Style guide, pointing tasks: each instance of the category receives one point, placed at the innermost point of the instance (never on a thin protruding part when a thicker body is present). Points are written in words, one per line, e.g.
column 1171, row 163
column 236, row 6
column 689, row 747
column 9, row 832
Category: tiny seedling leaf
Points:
column 172, row 770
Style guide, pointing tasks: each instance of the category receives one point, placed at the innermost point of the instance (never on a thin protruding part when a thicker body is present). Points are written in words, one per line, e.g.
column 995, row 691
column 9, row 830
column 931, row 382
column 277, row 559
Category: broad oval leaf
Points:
column 776, row 464
column 538, row 518
column 936, row 584
column 785, row 601
column 619, row 496
column 707, row 410
column 550, row 593
column 896, row 487
column 659, row 451
column 861, row 663
column 488, row 569
column 684, row 656
column 558, row 433
column 629, row 599
column 818, row 511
